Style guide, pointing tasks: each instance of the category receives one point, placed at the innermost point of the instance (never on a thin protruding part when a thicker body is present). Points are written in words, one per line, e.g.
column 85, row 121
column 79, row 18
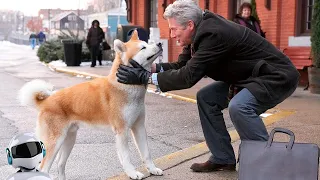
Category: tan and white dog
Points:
column 101, row 102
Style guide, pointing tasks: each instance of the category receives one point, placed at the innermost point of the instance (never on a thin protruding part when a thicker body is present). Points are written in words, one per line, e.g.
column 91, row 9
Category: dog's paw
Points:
column 135, row 175
column 156, row 171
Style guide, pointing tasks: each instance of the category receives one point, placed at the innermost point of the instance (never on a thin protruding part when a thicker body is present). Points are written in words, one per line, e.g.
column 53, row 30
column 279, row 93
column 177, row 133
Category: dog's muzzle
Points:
column 158, row 53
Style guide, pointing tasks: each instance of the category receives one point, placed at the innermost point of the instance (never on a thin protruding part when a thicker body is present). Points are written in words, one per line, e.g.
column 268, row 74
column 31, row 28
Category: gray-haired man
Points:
column 232, row 55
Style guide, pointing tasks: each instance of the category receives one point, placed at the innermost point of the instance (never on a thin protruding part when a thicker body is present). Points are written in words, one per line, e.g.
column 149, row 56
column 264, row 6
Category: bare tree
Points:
column 110, row 4
column 105, row 5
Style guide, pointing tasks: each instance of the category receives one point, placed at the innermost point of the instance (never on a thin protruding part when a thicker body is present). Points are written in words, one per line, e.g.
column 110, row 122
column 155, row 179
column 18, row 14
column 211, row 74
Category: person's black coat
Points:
column 250, row 23
column 226, row 51
column 95, row 35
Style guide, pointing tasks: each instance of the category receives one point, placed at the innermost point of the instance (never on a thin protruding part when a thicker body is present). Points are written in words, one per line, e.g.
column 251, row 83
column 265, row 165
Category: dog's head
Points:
column 137, row 50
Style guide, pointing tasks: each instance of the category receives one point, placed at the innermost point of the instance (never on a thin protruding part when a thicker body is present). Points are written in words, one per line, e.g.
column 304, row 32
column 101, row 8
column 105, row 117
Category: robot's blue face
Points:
column 26, row 150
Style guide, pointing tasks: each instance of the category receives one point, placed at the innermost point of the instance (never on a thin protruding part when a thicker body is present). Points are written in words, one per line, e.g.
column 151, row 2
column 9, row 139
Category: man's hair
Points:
column 183, row 11
column 245, row 5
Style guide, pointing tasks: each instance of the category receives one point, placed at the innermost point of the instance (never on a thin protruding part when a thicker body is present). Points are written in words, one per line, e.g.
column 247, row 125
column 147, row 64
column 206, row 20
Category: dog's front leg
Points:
column 140, row 136
column 123, row 153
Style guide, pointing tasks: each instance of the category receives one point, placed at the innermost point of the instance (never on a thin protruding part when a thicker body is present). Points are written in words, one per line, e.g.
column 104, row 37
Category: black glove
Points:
column 133, row 75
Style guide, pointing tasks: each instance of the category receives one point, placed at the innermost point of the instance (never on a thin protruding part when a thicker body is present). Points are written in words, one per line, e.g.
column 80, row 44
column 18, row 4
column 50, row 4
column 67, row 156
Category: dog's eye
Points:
column 143, row 48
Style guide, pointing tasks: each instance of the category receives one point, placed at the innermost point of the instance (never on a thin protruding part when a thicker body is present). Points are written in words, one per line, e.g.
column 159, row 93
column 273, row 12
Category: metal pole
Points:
column 78, row 25
column 23, row 24
column 49, row 23
column 119, row 11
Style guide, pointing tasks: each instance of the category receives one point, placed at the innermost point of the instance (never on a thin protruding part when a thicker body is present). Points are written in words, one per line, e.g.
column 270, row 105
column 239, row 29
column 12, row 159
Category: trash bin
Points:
column 72, row 52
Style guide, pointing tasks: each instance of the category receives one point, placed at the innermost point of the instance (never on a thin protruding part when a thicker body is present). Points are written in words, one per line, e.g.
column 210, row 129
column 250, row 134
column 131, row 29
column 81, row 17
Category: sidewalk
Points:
column 300, row 113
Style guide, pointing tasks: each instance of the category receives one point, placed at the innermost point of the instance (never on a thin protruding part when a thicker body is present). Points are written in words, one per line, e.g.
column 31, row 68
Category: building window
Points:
column 66, row 25
column 304, row 17
column 153, row 13
column 72, row 18
column 207, row 4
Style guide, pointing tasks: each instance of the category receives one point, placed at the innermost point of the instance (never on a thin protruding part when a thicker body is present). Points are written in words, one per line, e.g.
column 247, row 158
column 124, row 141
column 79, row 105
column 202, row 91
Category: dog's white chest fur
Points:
column 135, row 106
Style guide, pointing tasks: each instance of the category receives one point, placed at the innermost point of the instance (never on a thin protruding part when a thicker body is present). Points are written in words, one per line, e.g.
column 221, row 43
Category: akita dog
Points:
column 100, row 102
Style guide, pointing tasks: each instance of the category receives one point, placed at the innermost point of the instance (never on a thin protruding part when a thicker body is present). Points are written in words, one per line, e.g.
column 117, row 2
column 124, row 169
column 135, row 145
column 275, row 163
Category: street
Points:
column 171, row 124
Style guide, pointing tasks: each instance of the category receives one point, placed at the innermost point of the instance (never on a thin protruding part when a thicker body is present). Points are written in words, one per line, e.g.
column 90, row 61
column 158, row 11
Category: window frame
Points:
column 302, row 13
column 129, row 10
column 207, row 4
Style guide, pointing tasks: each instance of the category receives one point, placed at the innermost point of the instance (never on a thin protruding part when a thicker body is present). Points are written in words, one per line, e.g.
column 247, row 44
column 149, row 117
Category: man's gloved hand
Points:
column 133, row 75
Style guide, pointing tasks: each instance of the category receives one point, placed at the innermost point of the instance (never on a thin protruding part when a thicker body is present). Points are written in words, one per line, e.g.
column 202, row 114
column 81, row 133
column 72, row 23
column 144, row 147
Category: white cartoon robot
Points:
column 26, row 152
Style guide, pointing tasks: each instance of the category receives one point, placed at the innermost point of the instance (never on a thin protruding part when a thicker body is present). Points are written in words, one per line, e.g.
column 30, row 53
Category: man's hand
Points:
column 133, row 75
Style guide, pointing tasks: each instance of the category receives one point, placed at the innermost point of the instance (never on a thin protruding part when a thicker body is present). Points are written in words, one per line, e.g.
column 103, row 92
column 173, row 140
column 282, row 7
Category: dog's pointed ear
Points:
column 135, row 35
column 119, row 46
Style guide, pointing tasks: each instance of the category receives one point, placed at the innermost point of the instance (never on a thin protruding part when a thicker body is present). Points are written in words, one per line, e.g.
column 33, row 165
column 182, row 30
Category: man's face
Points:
column 183, row 35
column 95, row 25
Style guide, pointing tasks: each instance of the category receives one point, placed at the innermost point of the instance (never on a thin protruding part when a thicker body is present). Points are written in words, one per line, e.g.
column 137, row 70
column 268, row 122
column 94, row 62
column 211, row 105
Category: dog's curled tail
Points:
column 34, row 92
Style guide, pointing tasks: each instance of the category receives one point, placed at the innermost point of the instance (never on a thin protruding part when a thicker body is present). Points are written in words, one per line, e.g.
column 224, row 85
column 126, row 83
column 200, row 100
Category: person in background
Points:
column 246, row 19
column 232, row 56
column 41, row 37
column 94, row 38
column 33, row 40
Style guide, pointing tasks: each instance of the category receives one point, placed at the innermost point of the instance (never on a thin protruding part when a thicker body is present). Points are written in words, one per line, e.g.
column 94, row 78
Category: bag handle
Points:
column 282, row 130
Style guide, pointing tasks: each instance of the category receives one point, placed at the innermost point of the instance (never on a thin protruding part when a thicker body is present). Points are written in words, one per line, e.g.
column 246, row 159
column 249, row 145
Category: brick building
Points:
column 287, row 22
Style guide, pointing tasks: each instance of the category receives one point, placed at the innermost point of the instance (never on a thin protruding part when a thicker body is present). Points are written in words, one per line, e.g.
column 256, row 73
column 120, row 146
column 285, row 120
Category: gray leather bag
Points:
column 269, row 160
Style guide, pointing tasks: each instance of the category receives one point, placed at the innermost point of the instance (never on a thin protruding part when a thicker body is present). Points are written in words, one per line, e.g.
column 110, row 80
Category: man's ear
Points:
column 191, row 25
column 119, row 46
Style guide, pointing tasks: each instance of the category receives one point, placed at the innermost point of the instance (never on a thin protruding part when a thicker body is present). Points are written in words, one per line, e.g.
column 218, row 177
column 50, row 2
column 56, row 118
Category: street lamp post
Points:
column 49, row 23
column 120, row 1
column 41, row 17
column 22, row 18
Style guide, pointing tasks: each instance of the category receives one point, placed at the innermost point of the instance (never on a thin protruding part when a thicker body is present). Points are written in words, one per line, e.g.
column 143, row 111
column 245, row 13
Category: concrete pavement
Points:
column 299, row 113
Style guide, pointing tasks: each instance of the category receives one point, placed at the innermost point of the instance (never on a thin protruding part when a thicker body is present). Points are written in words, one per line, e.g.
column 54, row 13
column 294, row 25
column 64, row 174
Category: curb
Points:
column 174, row 96
column 72, row 72
column 171, row 160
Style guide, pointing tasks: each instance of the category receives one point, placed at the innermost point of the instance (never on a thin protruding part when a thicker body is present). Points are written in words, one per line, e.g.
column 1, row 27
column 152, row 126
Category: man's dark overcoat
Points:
column 226, row 51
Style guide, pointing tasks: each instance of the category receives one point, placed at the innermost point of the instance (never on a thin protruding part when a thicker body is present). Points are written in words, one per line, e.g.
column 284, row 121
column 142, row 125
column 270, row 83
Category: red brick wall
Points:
column 222, row 8
column 138, row 12
column 162, row 23
column 278, row 22
column 288, row 22
column 201, row 3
